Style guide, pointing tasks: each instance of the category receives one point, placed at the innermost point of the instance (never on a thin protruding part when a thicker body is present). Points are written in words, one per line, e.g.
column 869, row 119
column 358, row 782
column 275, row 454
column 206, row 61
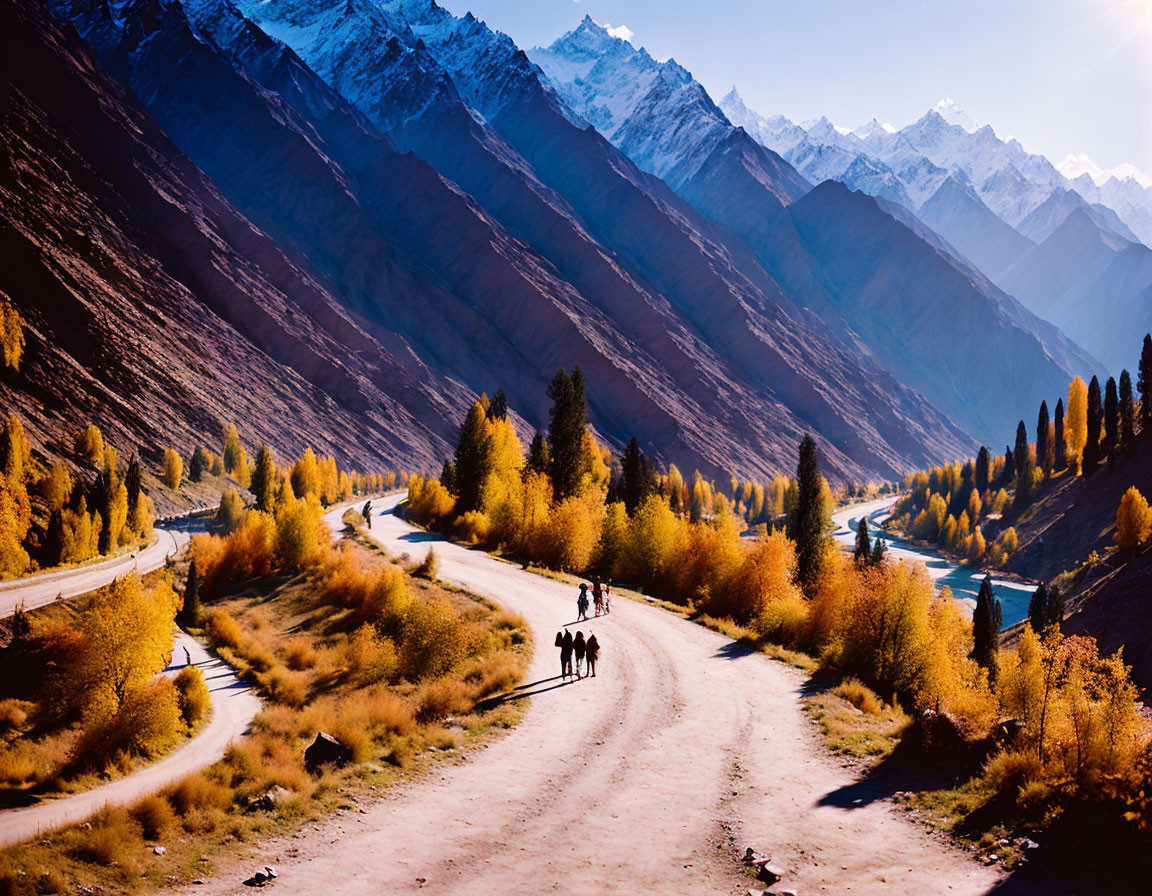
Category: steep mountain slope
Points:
column 595, row 71
column 154, row 308
column 563, row 190
column 958, row 214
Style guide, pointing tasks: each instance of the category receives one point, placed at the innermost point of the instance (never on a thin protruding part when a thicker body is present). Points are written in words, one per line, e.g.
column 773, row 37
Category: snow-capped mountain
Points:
column 1011, row 181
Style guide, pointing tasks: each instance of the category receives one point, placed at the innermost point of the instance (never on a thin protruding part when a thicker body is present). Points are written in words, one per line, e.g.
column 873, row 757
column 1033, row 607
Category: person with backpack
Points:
column 582, row 602
column 580, row 647
column 592, row 651
column 566, row 646
column 597, row 596
column 367, row 514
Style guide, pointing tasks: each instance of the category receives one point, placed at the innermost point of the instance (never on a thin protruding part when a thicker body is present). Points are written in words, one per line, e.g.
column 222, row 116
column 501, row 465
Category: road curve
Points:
column 654, row 775
column 234, row 706
column 44, row 588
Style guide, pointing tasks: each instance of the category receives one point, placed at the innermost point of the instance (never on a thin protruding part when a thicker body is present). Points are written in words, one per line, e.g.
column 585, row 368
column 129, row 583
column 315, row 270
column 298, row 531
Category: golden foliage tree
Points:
column 90, row 445
column 1133, row 520
column 11, row 335
column 173, row 469
column 1076, row 422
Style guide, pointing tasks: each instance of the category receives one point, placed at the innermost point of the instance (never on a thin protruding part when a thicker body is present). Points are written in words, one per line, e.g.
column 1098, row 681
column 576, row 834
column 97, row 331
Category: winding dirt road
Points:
column 653, row 776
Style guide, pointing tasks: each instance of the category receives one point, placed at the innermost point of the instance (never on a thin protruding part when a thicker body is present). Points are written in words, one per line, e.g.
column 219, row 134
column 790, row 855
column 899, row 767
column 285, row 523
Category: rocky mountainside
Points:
column 902, row 299
column 451, row 216
column 157, row 310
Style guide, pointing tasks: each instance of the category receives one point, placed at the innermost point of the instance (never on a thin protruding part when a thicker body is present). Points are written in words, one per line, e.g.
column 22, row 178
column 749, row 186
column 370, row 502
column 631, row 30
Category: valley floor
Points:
column 686, row 749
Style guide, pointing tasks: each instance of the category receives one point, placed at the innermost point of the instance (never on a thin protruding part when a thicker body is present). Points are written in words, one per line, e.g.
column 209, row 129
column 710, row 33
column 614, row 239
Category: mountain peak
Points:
column 951, row 112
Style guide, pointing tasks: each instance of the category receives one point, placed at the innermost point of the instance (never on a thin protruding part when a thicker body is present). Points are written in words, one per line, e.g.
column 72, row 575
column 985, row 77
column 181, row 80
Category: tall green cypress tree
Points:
column 1054, row 611
column 1144, row 382
column 1043, row 449
column 1009, row 472
column 1127, row 412
column 498, row 408
column 1060, row 449
column 808, row 520
column 987, row 621
column 264, row 484
column 539, row 456
column 473, row 459
column 189, row 614
column 1024, row 465
column 1111, row 419
column 1038, row 609
column 448, row 475
column 1095, row 422
column 863, row 552
column 983, row 465
column 637, row 477
column 566, row 431
column 196, row 465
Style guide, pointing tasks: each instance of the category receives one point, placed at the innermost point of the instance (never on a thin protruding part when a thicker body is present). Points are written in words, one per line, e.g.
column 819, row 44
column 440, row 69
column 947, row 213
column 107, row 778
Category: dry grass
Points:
column 855, row 722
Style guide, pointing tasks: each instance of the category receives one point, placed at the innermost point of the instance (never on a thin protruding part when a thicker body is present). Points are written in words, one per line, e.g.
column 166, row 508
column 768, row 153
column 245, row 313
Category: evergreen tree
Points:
column 1111, row 420
column 1022, row 456
column 189, row 614
column 1095, row 420
column 1144, row 382
column 983, row 465
column 1060, row 449
column 1127, row 412
column 196, row 465
column 808, row 519
column 987, row 621
column 863, row 553
column 264, row 484
column 233, row 450
column 473, row 459
column 566, row 431
column 878, row 549
column 132, row 481
column 637, row 477
column 1043, row 449
column 1038, row 609
column 1054, row 612
column 539, row 457
column 1009, row 472
column 448, row 475
column 498, row 408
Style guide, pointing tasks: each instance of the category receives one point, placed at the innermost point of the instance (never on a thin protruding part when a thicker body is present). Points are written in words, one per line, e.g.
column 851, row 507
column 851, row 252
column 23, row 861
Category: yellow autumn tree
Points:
column 173, row 468
column 1076, row 422
column 90, row 445
column 11, row 335
column 1133, row 520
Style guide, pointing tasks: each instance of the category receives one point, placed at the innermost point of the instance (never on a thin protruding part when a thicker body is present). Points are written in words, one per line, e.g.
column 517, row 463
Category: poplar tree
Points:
column 863, row 553
column 987, row 621
column 1094, row 419
column 1076, row 423
column 1059, row 449
column 1009, row 472
column 637, row 477
column 878, row 551
column 1144, row 382
column 808, row 520
column 983, row 465
column 1038, row 609
column 1127, row 412
column 233, row 450
column 566, row 431
column 1043, row 452
column 1111, row 419
column 264, row 485
column 189, row 614
column 1024, row 466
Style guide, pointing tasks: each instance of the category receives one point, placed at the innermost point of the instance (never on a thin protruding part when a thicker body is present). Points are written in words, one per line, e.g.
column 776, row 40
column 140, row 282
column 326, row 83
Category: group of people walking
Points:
column 583, row 651
column 600, row 599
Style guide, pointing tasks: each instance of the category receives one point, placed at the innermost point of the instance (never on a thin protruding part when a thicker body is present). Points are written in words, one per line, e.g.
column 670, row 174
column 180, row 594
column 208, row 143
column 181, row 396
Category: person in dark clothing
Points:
column 582, row 602
column 367, row 513
column 579, row 647
column 566, row 645
column 560, row 644
column 597, row 596
column 592, row 651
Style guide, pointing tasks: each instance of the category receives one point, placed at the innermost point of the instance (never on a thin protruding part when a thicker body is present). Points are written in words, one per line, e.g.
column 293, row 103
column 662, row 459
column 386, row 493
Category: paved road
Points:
column 234, row 706
column 652, row 777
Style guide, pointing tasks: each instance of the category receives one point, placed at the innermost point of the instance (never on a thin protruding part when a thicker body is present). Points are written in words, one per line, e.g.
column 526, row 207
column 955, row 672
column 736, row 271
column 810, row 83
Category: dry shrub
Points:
column 283, row 686
column 300, row 655
column 859, row 695
column 192, row 696
column 444, row 697
column 429, row 567
column 371, row 656
column 432, row 639
column 262, row 762
column 14, row 713
column 222, row 629
column 1010, row 770
column 473, row 527
column 493, row 673
column 155, row 816
column 371, row 597
column 147, row 724
column 20, row 764
column 113, row 838
column 247, row 553
column 200, row 802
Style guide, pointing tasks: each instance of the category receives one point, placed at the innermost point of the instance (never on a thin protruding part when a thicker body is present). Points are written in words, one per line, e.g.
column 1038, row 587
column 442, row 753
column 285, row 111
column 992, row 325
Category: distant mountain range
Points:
column 356, row 216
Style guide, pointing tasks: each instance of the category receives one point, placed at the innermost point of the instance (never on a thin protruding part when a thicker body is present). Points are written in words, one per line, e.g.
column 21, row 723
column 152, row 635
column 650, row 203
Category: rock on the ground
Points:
column 326, row 750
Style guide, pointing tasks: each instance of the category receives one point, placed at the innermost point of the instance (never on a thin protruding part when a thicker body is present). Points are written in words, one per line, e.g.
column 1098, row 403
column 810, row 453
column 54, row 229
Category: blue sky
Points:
column 1063, row 76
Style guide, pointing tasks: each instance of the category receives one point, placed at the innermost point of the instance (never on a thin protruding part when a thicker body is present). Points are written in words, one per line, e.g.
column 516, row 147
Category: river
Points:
column 963, row 580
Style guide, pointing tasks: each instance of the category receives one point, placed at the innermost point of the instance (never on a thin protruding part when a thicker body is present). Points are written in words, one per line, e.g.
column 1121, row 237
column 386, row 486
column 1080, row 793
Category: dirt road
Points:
column 653, row 776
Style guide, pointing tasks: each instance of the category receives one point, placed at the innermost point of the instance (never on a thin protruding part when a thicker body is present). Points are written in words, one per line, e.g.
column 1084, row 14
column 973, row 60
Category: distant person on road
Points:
column 592, row 651
column 367, row 514
column 566, row 646
column 597, row 596
column 187, row 657
column 582, row 602
column 580, row 648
